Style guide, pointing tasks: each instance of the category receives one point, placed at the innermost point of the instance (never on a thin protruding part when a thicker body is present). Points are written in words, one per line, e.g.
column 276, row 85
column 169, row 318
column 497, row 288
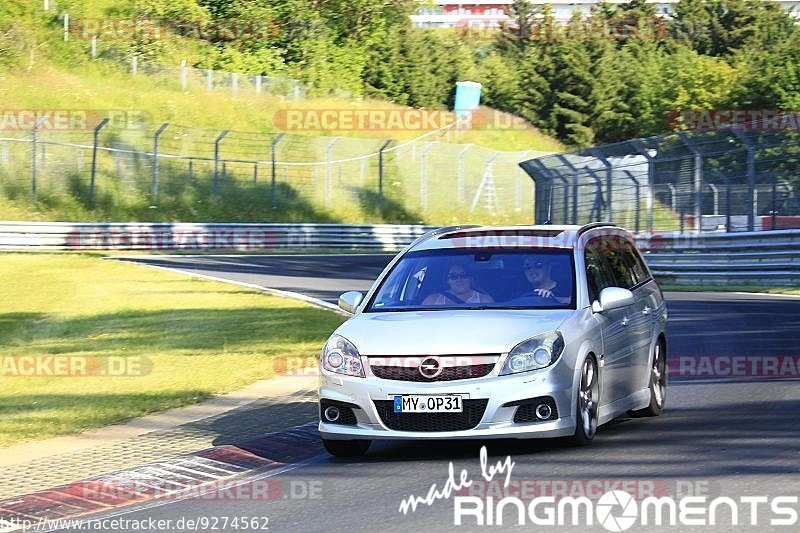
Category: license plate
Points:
column 441, row 403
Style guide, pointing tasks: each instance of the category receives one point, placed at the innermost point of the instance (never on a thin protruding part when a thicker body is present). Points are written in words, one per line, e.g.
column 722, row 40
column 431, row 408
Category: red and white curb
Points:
column 215, row 473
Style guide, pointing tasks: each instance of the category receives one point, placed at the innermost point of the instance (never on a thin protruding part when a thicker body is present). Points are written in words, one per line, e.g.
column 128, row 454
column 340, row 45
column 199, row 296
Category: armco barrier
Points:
column 204, row 237
column 747, row 258
column 756, row 258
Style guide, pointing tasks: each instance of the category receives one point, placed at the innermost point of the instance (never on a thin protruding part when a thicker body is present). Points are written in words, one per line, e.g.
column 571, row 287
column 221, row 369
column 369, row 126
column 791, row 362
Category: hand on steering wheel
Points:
column 543, row 293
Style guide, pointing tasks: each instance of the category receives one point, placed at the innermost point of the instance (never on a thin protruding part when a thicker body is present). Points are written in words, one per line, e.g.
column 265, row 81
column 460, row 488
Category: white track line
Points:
column 781, row 295
column 276, row 292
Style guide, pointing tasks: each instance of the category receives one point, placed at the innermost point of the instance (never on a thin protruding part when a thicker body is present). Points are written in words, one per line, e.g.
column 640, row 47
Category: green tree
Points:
column 517, row 35
column 383, row 74
column 769, row 79
column 640, row 66
column 503, row 87
column 429, row 69
column 720, row 27
column 257, row 51
column 696, row 81
column 611, row 117
column 572, row 87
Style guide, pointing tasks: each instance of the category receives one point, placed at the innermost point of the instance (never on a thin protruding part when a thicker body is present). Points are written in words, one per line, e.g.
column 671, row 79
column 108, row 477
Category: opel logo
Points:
column 430, row 368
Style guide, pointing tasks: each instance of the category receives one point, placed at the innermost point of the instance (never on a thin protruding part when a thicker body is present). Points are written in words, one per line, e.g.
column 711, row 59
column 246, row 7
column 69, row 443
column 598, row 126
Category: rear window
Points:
column 486, row 279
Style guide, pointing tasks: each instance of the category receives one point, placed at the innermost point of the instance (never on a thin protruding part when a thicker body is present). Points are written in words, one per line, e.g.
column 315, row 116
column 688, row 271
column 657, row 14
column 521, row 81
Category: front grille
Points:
column 527, row 411
column 468, row 419
column 452, row 373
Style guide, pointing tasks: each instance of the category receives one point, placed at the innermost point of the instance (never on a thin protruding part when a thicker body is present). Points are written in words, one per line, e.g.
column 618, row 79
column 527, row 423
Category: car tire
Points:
column 586, row 413
column 658, row 384
column 346, row 448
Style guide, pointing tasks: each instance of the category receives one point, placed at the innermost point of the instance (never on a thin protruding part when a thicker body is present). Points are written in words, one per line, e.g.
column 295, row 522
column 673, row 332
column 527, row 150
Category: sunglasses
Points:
column 462, row 275
column 536, row 265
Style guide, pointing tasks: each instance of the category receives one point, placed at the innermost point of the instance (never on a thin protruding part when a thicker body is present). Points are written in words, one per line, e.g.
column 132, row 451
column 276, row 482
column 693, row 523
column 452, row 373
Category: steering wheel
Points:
column 536, row 299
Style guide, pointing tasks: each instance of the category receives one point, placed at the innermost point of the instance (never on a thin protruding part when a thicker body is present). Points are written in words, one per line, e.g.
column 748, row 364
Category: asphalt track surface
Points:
column 718, row 437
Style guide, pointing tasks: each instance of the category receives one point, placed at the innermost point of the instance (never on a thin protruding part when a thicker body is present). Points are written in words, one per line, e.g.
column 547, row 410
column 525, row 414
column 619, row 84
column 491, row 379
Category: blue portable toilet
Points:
column 468, row 98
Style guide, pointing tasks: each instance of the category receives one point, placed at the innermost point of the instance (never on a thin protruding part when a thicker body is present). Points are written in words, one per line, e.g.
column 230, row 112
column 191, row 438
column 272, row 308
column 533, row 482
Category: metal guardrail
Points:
column 749, row 258
column 205, row 237
column 757, row 258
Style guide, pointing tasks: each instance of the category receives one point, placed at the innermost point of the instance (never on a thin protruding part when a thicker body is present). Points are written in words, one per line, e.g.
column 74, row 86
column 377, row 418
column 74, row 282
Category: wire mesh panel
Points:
column 153, row 171
column 728, row 179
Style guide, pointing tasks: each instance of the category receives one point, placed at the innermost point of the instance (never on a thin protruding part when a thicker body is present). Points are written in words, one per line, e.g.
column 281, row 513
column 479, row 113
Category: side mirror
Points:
column 612, row 298
column 350, row 301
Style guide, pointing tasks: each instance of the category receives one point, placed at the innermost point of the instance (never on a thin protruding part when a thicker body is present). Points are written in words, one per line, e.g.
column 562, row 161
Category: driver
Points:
column 537, row 273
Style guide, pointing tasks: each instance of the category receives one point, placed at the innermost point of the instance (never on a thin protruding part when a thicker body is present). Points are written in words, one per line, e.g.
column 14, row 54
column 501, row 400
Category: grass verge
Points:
column 190, row 339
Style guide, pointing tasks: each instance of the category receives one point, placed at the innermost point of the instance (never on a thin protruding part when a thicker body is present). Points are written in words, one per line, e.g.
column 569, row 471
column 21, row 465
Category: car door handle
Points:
column 646, row 311
column 625, row 321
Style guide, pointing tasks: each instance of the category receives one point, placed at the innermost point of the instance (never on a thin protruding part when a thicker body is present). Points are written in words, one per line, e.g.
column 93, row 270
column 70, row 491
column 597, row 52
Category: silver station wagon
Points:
column 497, row 332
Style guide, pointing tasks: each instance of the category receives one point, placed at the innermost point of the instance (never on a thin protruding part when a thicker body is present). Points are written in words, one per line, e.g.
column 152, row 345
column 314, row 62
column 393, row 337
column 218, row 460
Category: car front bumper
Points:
column 497, row 420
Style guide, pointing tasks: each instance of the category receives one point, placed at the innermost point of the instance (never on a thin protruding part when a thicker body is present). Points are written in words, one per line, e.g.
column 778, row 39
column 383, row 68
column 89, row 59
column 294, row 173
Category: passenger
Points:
column 459, row 282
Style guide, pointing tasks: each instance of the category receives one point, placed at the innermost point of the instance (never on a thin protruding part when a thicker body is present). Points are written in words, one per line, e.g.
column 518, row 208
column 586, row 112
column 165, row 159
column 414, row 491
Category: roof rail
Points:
column 593, row 225
column 439, row 231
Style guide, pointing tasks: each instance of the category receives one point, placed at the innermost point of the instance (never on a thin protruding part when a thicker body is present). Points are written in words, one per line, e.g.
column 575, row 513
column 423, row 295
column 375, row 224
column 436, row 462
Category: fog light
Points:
column 543, row 411
column 332, row 414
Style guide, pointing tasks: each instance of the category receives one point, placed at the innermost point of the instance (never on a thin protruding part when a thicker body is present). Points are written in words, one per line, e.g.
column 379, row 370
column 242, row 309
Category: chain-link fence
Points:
column 734, row 179
column 118, row 39
column 217, row 80
column 266, row 176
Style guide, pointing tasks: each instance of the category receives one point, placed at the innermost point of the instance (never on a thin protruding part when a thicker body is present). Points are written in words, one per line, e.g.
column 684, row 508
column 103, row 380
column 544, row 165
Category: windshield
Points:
column 466, row 279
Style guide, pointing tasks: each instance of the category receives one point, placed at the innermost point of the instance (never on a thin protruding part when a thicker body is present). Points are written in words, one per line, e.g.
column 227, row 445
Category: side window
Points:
column 623, row 276
column 598, row 275
column 626, row 265
column 636, row 271
column 636, row 266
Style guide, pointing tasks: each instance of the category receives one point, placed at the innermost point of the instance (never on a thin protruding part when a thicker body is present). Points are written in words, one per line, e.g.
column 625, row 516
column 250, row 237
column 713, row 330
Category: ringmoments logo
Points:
column 616, row 500
column 615, row 510
column 618, row 510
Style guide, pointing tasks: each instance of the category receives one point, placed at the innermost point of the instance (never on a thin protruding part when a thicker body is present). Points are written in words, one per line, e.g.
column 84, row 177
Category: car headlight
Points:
column 537, row 352
column 340, row 356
